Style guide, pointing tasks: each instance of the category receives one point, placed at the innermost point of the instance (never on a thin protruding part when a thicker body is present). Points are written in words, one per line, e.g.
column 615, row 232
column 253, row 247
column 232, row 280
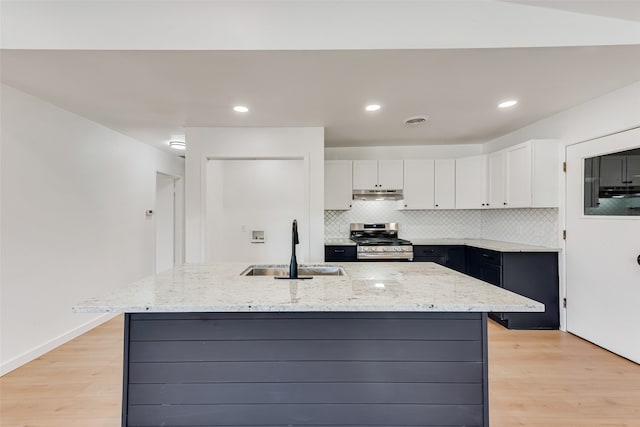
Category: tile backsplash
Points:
column 527, row 226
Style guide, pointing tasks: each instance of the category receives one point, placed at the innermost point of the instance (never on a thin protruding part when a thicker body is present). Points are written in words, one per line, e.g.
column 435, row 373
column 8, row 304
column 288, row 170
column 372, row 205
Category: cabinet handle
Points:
column 505, row 203
column 338, row 251
column 638, row 260
column 486, row 256
column 488, row 204
column 406, row 206
column 437, row 206
column 483, row 204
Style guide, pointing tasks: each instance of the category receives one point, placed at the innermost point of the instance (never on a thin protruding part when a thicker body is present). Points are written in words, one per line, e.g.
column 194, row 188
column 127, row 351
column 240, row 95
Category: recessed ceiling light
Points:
column 507, row 104
column 177, row 145
column 372, row 107
column 240, row 109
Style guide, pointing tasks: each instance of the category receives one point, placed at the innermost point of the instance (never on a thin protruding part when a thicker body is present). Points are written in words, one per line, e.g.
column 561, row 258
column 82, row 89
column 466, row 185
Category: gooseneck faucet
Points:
column 293, row 264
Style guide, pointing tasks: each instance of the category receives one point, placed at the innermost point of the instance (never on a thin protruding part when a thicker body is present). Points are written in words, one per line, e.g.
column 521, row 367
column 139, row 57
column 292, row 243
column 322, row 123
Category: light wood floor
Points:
column 537, row 378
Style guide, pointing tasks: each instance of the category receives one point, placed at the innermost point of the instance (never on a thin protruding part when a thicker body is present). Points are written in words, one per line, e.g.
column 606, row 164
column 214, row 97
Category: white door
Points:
column 603, row 274
column 164, row 215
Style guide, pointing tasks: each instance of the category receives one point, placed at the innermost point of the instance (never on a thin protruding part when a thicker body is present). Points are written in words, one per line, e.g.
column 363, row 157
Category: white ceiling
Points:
column 628, row 10
column 318, row 63
column 153, row 95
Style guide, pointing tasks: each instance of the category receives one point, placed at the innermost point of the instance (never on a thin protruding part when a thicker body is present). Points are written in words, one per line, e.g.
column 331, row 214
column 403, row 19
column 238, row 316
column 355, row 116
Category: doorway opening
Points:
column 168, row 221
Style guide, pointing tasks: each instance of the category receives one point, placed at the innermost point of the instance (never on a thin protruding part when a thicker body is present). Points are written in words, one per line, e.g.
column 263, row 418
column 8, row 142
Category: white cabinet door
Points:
column 471, row 182
column 518, row 188
column 365, row 174
column 496, row 184
column 612, row 173
column 445, row 184
column 390, row 176
column 418, row 184
column 337, row 184
column 633, row 170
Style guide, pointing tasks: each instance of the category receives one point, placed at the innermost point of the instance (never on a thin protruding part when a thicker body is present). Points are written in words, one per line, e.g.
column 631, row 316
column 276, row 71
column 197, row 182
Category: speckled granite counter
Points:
column 339, row 242
column 493, row 245
column 423, row 287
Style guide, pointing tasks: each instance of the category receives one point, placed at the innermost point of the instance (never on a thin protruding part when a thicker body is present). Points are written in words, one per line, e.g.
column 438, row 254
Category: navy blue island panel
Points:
column 356, row 369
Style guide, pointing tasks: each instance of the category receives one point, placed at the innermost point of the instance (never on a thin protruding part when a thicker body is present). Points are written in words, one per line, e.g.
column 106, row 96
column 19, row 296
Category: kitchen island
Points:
column 400, row 344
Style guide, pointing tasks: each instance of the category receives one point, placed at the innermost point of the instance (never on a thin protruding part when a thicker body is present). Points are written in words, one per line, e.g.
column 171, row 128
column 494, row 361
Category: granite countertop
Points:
column 494, row 245
column 339, row 242
column 380, row 286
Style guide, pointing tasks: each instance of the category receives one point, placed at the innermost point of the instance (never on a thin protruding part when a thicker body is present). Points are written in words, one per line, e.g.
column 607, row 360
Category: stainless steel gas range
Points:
column 380, row 241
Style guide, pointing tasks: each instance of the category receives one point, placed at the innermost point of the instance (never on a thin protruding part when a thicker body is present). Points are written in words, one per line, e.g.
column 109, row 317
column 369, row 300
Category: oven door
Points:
column 369, row 253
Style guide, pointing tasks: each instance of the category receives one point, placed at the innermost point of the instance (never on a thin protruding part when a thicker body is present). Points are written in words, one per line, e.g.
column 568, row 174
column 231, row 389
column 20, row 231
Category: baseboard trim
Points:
column 38, row 351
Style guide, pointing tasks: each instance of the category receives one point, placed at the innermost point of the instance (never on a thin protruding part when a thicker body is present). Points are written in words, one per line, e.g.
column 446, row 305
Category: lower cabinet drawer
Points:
column 340, row 253
column 428, row 251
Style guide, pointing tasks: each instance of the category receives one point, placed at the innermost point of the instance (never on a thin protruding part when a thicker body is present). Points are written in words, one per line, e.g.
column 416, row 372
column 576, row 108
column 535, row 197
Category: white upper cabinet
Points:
column 377, row 175
column 365, row 174
column 519, row 179
column 633, row 170
column 418, row 184
column 496, row 180
column 619, row 171
column 532, row 174
column 337, row 184
column 612, row 171
column 445, row 184
column 390, row 174
column 471, row 182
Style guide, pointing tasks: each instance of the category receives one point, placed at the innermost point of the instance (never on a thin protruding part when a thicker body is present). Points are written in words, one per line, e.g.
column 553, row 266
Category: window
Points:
column 612, row 184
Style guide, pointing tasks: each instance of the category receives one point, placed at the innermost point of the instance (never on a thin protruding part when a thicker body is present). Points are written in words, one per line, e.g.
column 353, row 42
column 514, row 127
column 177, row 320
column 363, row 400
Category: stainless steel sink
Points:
column 303, row 270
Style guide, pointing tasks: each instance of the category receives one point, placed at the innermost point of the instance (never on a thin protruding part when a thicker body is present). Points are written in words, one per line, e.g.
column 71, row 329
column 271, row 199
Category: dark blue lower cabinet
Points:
column 305, row 369
column 449, row 256
column 530, row 274
column 333, row 253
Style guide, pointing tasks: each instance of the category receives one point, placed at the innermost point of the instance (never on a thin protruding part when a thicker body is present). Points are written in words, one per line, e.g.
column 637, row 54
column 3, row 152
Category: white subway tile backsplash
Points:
column 527, row 226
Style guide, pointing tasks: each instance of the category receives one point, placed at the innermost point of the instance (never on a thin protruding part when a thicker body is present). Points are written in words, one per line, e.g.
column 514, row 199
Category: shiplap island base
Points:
column 389, row 344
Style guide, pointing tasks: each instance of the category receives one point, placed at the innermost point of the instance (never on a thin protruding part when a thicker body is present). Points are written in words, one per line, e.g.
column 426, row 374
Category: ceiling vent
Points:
column 415, row 121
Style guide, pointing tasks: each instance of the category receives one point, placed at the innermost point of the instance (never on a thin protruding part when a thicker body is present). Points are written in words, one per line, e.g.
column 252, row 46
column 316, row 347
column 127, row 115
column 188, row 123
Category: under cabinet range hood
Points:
column 377, row 195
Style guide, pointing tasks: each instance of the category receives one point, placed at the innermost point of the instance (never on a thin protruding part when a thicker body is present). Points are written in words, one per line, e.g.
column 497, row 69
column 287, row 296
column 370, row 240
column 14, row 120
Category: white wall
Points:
column 402, row 152
column 247, row 196
column 74, row 195
column 613, row 112
column 247, row 143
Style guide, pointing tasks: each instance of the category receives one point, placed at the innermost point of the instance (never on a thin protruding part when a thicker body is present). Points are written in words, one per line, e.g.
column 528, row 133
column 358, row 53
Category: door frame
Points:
column 178, row 219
